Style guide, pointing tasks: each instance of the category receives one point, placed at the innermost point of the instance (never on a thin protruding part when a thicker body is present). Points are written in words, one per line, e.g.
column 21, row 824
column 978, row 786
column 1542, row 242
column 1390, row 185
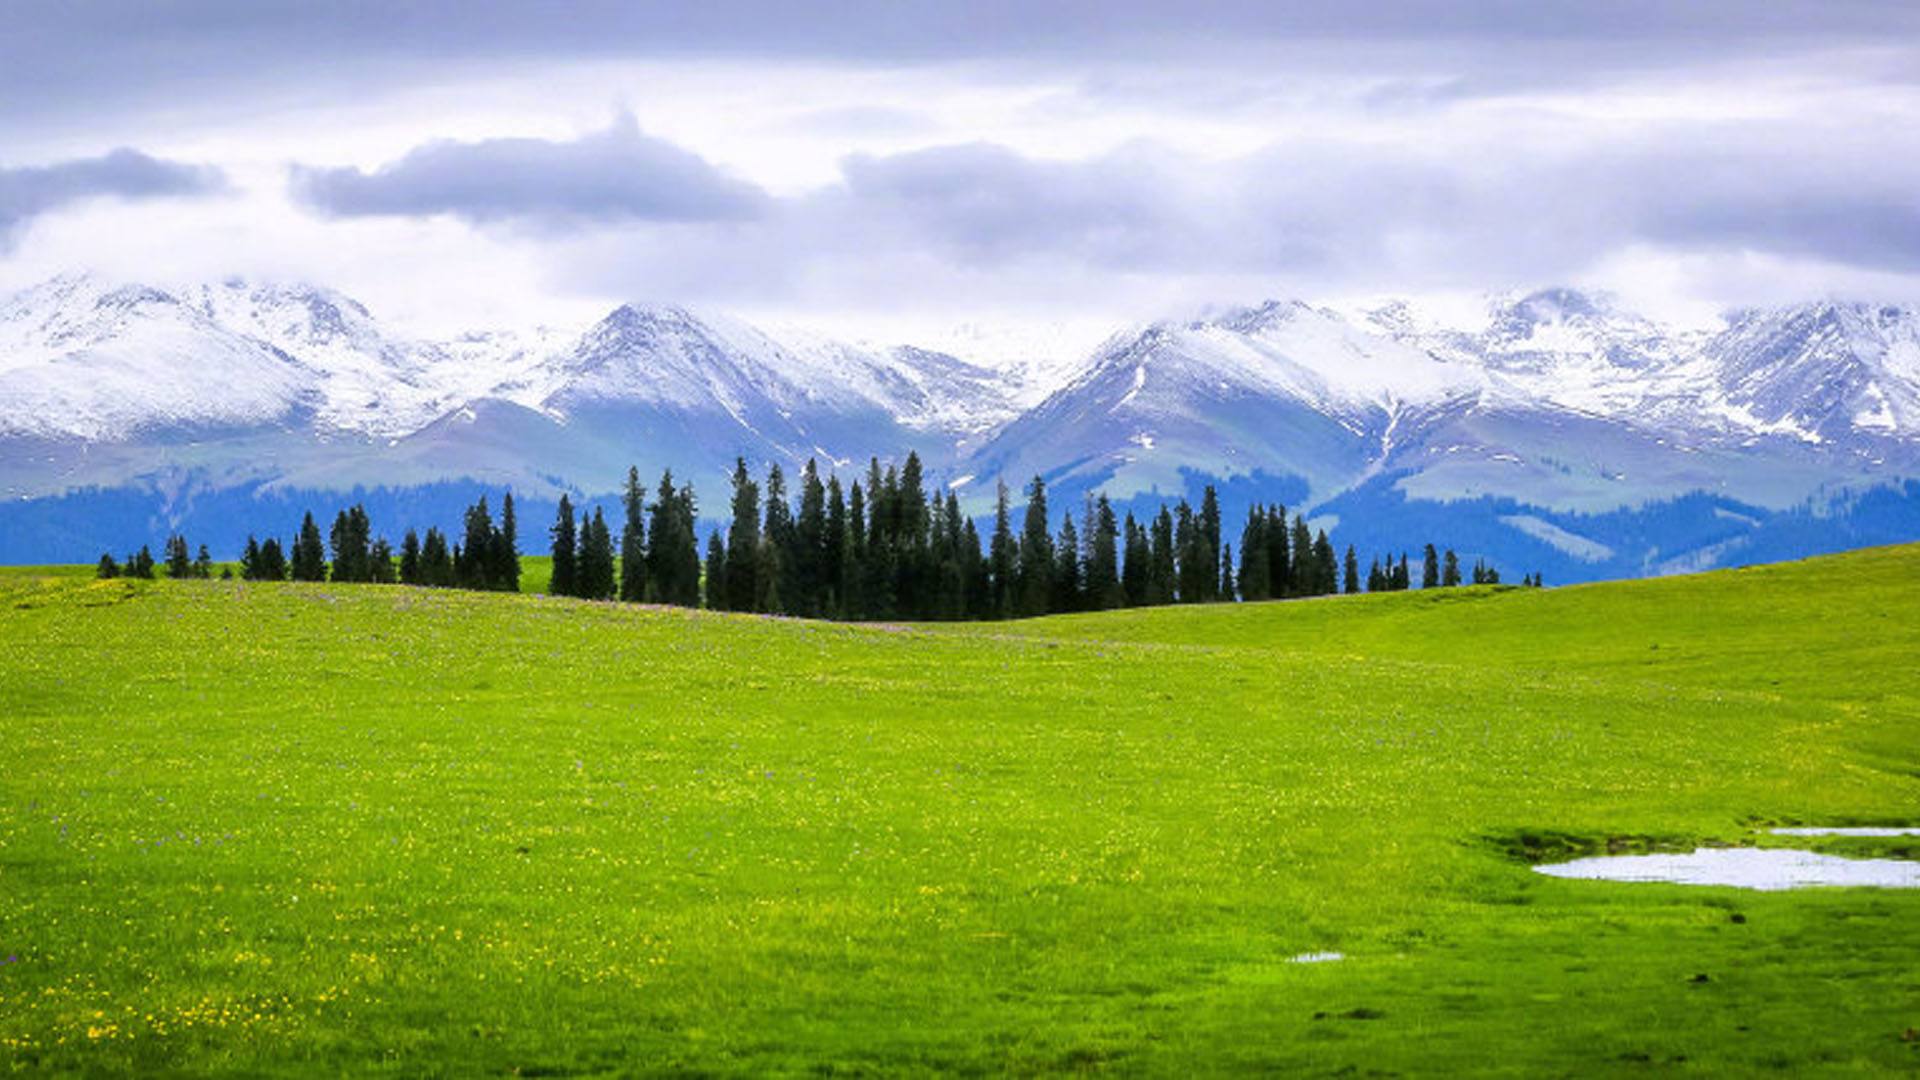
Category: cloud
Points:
column 619, row 174
column 30, row 191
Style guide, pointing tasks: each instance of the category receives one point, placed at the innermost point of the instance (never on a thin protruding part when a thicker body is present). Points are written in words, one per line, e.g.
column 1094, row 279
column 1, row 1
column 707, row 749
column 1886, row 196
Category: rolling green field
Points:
column 284, row 829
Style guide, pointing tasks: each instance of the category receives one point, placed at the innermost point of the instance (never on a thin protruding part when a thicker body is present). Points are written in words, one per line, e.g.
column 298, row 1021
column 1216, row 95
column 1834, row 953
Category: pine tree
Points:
column 1326, row 566
column 1450, row 570
column 1135, row 566
column 475, row 569
column 506, row 548
column 1304, row 572
column 1376, row 578
column 685, row 552
column 203, row 564
column 716, row 568
column 140, row 564
column 1401, row 579
column 1352, row 582
column 1163, row 569
column 380, row 562
column 1036, row 553
column 833, row 553
column 107, row 567
column 778, row 536
column 1255, row 584
column 633, row 539
column 1066, row 568
column 179, row 563
column 811, row 571
column 410, row 559
column 436, row 562
column 309, row 557
column 1103, row 559
column 250, row 560
column 1279, row 564
column 593, row 567
column 566, row 551
column 853, row 568
column 1003, row 558
column 1226, row 592
column 273, row 561
column 744, row 560
column 1208, row 535
column 1430, row 569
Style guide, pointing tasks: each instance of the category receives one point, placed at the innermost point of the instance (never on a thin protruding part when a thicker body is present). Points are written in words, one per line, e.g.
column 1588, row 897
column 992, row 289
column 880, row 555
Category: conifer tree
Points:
column 1103, row 559
column 1134, row 567
column 633, row 539
column 1279, row 563
column 833, row 553
column 1376, row 578
column 566, row 551
column 1227, row 591
column 309, row 557
column 506, row 549
column 410, row 559
column 1352, row 581
column 1402, row 580
column 1036, row 553
column 179, row 563
column 1209, row 538
column 1066, row 569
column 853, row 567
column 1305, row 574
column 778, row 537
column 744, row 588
column 1450, row 570
column 380, row 562
column 479, row 554
column 1004, row 558
column 1326, row 566
column 811, row 572
column 273, row 561
column 140, row 564
column 203, row 564
column 107, row 568
column 436, row 562
column 686, row 548
column 1430, row 569
column 716, row 574
column 1163, row 571
column 1255, row 584
column 593, row 567
column 250, row 560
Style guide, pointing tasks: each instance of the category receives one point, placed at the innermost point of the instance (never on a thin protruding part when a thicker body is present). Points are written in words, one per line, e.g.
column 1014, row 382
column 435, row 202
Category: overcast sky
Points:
column 881, row 167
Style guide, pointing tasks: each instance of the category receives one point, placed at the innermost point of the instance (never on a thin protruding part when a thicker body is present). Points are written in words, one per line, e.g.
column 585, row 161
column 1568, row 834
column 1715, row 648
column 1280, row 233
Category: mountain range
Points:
column 1562, row 434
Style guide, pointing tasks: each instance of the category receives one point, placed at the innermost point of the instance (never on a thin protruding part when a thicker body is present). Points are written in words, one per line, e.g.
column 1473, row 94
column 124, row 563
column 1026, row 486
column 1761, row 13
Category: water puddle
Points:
column 1848, row 830
column 1316, row 958
column 1765, row 869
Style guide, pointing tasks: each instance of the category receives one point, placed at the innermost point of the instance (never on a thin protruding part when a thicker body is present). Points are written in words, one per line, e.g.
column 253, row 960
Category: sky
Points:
column 895, row 169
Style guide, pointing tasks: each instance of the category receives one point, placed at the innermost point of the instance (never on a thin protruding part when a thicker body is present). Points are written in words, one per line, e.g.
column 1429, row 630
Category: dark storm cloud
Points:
column 81, row 54
column 33, row 190
column 617, row 174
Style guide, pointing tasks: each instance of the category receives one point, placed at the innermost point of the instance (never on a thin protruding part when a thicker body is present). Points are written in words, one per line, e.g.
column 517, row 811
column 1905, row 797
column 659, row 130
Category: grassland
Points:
column 282, row 829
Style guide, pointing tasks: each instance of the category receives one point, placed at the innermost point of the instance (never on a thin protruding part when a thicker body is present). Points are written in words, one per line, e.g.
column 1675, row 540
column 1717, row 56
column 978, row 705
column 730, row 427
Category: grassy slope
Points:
column 288, row 828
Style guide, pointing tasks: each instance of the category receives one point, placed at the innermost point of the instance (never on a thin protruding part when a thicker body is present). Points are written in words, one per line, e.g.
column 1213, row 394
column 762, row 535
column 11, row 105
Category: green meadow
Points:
column 277, row 829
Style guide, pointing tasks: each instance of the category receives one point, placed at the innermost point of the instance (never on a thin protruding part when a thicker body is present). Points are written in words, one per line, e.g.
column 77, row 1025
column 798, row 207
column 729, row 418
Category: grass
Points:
column 283, row 829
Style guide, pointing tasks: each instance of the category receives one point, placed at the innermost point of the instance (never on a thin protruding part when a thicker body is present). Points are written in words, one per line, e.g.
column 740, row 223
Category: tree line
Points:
column 880, row 547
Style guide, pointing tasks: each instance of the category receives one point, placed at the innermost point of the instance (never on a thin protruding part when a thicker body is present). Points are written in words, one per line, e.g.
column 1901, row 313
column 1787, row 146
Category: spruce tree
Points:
column 273, row 561
column 685, row 552
column 380, row 562
column 594, row 566
column 1163, row 570
column 1279, row 564
column 1430, row 569
column 1066, row 570
column 107, row 567
column 853, row 568
column 481, row 556
column 1352, row 582
column 1209, row 537
column 745, row 559
column 1036, row 553
column 1227, row 591
column 1255, row 584
column 778, row 535
column 309, row 557
column 410, row 559
column 506, row 548
column 1304, row 581
column 203, row 564
column 1003, row 558
column 1326, row 566
column 179, row 562
column 833, row 553
column 1450, row 570
column 810, row 572
column 1134, row 567
column 250, row 560
column 633, row 539
column 566, row 551
column 1103, row 559
column 140, row 565
column 716, row 573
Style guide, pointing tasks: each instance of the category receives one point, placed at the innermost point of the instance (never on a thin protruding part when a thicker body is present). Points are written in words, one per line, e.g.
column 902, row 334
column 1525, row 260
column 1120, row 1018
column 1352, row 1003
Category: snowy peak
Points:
column 1826, row 369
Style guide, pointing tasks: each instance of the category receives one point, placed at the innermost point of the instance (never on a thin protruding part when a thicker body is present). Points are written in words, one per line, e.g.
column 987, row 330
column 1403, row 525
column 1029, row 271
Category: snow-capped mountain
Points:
column 1562, row 430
